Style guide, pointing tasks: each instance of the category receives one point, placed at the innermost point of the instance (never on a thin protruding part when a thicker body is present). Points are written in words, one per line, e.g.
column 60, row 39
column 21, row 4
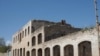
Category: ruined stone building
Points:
column 44, row 38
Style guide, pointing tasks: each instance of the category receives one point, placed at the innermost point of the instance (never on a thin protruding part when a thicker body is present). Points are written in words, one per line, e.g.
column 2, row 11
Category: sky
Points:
column 14, row 14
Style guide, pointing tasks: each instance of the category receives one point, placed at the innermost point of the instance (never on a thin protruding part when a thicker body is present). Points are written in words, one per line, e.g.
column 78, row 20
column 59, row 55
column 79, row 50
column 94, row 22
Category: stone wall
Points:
column 76, row 40
column 58, row 30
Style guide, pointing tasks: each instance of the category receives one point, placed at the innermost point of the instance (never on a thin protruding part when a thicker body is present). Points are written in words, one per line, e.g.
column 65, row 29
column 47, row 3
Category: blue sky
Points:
column 16, row 13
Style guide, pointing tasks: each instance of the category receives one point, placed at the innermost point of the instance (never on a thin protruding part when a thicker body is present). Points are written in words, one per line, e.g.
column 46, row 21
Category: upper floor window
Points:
column 28, row 30
column 16, row 38
column 25, row 32
column 22, row 33
column 13, row 40
column 28, row 44
column 32, row 29
column 40, row 38
column 33, row 41
column 20, row 37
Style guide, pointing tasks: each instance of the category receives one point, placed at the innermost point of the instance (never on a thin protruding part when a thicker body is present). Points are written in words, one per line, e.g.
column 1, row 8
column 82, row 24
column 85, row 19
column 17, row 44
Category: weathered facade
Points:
column 44, row 38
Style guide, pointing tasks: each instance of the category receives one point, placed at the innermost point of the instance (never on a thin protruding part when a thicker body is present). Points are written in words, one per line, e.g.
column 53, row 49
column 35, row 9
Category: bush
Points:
column 3, row 49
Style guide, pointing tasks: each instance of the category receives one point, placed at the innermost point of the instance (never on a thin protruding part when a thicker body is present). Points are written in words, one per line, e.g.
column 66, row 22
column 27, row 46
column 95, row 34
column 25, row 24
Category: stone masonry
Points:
column 44, row 38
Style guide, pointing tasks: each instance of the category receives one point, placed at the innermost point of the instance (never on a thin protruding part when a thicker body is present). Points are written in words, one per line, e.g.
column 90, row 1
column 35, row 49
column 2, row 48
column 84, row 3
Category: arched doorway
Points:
column 20, row 51
column 28, row 53
column 85, row 48
column 23, row 51
column 40, row 52
column 13, row 52
column 47, row 52
column 33, row 52
column 56, row 50
column 68, row 50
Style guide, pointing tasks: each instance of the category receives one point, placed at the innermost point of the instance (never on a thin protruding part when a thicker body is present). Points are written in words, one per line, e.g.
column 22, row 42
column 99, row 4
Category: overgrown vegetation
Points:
column 4, row 49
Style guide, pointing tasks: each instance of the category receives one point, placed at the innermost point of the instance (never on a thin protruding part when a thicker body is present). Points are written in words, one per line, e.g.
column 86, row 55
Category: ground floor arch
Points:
column 28, row 53
column 84, row 48
column 33, row 52
column 39, row 52
column 56, row 50
column 68, row 50
column 47, row 51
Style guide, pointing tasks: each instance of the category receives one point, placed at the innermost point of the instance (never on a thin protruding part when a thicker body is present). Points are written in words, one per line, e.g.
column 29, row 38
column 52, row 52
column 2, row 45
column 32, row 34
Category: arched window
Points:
column 20, row 37
column 40, row 52
column 68, row 50
column 20, row 51
column 22, row 34
column 23, row 51
column 16, row 38
column 13, row 53
column 32, row 29
column 56, row 50
column 33, row 52
column 28, row 29
column 25, row 32
column 28, row 53
column 47, row 52
column 85, row 48
column 33, row 40
column 28, row 43
column 39, row 38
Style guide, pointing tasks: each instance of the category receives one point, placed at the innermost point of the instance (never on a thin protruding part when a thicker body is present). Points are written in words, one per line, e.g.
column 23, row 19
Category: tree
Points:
column 2, row 42
column 3, row 47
